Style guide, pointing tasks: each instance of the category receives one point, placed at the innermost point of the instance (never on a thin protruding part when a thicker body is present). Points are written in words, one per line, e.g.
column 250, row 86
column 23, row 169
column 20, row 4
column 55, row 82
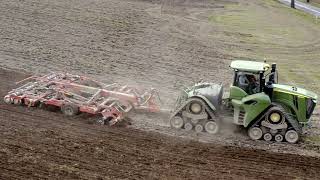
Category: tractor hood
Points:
column 295, row 91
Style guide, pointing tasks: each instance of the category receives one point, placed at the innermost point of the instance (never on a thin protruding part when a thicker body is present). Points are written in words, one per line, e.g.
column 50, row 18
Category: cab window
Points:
column 249, row 82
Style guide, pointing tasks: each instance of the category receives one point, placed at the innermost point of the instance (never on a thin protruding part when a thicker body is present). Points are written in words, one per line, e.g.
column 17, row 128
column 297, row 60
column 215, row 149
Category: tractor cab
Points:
column 268, row 110
column 249, row 78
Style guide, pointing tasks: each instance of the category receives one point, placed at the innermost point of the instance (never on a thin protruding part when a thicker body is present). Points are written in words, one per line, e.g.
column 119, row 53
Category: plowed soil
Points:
column 37, row 144
column 163, row 44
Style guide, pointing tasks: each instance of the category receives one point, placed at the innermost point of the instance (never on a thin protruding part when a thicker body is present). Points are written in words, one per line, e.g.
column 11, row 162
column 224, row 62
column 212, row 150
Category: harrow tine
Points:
column 26, row 79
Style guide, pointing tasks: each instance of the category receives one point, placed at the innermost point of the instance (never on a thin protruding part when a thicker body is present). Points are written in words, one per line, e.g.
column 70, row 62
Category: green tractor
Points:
column 268, row 110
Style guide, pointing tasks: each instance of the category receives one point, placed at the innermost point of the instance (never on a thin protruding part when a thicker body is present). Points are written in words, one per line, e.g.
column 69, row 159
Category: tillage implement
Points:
column 74, row 94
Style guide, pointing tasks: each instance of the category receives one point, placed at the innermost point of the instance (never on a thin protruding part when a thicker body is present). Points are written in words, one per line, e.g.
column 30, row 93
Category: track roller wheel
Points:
column 7, row 100
column 211, row 127
column 278, row 138
column 188, row 126
column 198, row 128
column 255, row 133
column 267, row 137
column 70, row 109
column 176, row 122
column 292, row 136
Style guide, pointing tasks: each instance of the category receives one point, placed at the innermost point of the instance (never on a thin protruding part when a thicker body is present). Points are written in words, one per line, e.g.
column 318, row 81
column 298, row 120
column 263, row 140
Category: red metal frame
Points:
column 111, row 101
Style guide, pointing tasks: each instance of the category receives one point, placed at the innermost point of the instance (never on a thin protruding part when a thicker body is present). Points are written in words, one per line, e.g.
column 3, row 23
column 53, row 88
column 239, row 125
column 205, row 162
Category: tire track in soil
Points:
column 124, row 152
column 169, row 159
column 117, row 137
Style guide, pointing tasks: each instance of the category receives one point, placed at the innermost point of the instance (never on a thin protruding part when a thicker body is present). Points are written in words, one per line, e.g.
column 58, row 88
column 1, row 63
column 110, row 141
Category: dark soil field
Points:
column 37, row 144
column 162, row 44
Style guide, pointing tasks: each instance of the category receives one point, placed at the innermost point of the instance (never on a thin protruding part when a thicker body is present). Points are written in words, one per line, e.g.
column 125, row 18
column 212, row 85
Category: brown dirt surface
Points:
column 37, row 144
column 161, row 44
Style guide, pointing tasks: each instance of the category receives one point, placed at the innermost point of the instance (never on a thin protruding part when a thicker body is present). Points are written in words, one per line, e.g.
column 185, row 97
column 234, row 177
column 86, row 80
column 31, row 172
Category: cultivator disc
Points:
column 74, row 94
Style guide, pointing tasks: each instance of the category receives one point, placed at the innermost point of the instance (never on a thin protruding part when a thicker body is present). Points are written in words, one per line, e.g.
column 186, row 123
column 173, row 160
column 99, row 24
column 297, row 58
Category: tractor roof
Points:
column 250, row 66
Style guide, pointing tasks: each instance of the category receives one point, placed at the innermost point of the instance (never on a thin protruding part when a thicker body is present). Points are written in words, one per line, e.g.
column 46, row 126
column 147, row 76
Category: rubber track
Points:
column 293, row 122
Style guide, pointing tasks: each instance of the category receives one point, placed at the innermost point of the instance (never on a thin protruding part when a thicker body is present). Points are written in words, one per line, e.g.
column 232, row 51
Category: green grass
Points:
column 271, row 30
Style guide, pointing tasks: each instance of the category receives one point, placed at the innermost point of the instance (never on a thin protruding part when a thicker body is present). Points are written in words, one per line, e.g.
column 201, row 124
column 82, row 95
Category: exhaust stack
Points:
column 273, row 72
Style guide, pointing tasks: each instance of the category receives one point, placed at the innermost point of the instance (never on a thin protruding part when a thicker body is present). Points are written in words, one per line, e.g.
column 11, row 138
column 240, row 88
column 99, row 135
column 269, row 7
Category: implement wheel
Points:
column 101, row 121
column 70, row 109
column 17, row 102
column 7, row 100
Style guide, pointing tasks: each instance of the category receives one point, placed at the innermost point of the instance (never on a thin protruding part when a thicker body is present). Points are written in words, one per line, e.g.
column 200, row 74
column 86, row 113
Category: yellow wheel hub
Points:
column 275, row 117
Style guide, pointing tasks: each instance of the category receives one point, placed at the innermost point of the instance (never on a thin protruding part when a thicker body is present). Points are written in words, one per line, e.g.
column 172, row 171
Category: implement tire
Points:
column 70, row 109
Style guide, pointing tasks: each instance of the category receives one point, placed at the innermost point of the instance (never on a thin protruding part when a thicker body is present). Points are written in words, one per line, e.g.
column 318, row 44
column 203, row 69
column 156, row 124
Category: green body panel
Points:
column 237, row 93
column 294, row 99
column 287, row 100
column 252, row 105
column 294, row 91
